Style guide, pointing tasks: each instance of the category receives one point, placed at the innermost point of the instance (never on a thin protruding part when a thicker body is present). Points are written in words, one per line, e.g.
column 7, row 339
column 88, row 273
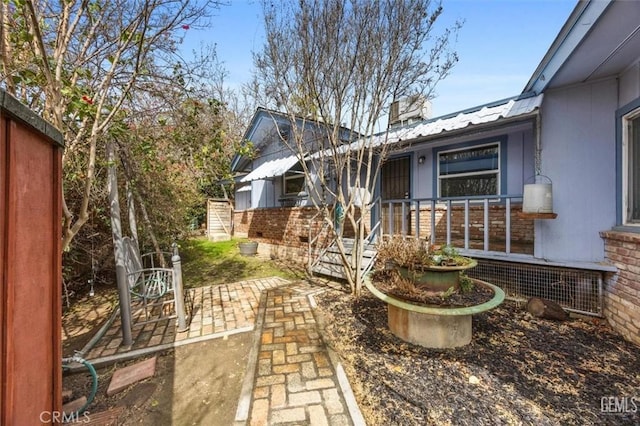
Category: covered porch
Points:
column 494, row 230
column 477, row 225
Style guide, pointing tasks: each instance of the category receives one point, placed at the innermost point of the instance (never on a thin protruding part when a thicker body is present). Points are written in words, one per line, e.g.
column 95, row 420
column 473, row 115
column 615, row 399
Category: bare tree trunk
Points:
column 345, row 62
column 149, row 227
column 131, row 209
column 5, row 47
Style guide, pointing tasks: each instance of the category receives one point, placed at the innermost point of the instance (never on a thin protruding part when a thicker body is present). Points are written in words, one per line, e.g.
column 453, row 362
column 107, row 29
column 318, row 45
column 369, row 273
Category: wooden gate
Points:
column 219, row 219
column 30, row 261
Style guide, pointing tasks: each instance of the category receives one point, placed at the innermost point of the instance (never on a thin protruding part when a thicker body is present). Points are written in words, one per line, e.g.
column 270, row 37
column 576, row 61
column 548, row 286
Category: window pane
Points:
column 294, row 185
column 469, row 186
column 294, row 180
column 469, row 161
column 469, row 172
column 634, row 170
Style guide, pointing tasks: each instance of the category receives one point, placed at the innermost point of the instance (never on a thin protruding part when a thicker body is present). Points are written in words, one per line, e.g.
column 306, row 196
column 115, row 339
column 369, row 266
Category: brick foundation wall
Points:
column 273, row 225
column 622, row 290
column 285, row 230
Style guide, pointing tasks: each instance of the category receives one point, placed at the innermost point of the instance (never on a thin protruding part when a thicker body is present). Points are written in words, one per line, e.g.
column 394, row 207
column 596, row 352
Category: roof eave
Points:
column 475, row 128
column 578, row 25
column 260, row 111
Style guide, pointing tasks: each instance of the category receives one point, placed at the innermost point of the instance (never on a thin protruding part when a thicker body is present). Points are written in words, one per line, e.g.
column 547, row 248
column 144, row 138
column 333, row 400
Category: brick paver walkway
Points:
column 291, row 379
column 213, row 310
column 295, row 380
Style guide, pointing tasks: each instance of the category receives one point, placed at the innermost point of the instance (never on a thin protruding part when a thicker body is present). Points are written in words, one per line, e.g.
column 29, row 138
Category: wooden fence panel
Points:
column 219, row 219
column 30, row 286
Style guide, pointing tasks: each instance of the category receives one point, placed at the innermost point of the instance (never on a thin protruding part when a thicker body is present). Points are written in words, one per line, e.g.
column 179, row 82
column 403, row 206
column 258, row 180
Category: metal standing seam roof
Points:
column 271, row 168
column 484, row 115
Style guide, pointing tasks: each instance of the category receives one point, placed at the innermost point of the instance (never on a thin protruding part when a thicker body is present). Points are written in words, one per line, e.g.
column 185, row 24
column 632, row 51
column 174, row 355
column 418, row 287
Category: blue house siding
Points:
column 264, row 132
column 630, row 84
column 578, row 154
column 516, row 161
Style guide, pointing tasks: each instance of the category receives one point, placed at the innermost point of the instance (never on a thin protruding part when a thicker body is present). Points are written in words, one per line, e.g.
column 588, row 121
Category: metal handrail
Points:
column 374, row 229
column 367, row 240
column 447, row 204
column 453, row 199
column 311, row 263
column 372, row 233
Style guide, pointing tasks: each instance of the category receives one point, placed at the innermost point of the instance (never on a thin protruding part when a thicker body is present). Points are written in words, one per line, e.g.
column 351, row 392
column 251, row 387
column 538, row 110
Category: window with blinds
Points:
column 469, row 171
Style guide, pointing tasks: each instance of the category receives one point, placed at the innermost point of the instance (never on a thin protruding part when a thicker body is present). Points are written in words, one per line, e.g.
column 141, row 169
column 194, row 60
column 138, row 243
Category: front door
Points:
column 395, row 180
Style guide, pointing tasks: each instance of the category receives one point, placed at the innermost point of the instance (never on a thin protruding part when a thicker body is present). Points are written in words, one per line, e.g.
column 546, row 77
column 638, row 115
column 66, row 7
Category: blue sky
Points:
column 499, row 45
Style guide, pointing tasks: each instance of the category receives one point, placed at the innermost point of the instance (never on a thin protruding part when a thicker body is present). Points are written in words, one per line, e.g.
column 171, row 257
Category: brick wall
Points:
column 622, row 290
column 278, row 225
column 284, row 230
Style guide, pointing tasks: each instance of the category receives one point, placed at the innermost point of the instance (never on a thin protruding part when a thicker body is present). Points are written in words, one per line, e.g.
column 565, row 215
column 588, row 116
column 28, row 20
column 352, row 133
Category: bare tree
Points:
column 83, row 64
column 342, row 63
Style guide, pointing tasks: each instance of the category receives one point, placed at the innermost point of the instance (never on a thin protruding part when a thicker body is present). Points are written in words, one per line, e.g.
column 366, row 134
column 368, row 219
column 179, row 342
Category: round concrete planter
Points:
column 431, row 326
column 249, row 248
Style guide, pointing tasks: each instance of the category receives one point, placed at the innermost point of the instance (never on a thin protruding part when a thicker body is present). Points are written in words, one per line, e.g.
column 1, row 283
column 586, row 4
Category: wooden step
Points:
column 336, row 259
column 349, row 243
column 329, row 270
column 367, row 252
column 330, row 263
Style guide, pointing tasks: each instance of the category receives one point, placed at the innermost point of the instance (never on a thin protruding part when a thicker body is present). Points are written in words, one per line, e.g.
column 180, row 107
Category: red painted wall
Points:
column 30, row 261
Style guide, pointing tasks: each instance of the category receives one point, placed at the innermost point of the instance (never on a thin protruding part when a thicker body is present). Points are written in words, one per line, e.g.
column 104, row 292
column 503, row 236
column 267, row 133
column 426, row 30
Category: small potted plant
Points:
column 248, row 248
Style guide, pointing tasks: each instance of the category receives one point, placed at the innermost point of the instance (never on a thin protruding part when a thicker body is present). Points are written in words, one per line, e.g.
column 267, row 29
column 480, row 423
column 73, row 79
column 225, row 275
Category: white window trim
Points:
column 626, row 121
column 497, row 172
column 291, row 176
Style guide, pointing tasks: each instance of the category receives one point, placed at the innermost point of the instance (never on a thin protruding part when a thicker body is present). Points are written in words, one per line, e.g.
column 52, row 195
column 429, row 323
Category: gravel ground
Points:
column 517, row 370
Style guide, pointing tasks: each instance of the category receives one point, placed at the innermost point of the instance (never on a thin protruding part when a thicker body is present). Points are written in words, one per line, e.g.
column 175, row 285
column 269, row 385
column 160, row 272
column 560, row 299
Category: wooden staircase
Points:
column 330, row 262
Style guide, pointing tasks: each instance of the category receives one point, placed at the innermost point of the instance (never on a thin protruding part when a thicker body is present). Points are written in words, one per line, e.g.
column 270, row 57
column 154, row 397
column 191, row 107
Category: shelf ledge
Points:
column 524, row 215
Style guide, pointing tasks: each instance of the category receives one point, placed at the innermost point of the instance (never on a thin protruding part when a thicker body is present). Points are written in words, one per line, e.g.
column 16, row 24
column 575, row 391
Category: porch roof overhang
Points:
column 494, row 114
column 271, row 169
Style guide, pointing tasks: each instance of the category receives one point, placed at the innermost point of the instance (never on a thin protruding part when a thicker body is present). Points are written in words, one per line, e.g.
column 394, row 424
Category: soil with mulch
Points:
column 391, row 283
column 517, row 370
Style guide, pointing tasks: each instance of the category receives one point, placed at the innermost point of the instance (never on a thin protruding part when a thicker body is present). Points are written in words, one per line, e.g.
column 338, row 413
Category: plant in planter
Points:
column 418, row 282
column 430, row 268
